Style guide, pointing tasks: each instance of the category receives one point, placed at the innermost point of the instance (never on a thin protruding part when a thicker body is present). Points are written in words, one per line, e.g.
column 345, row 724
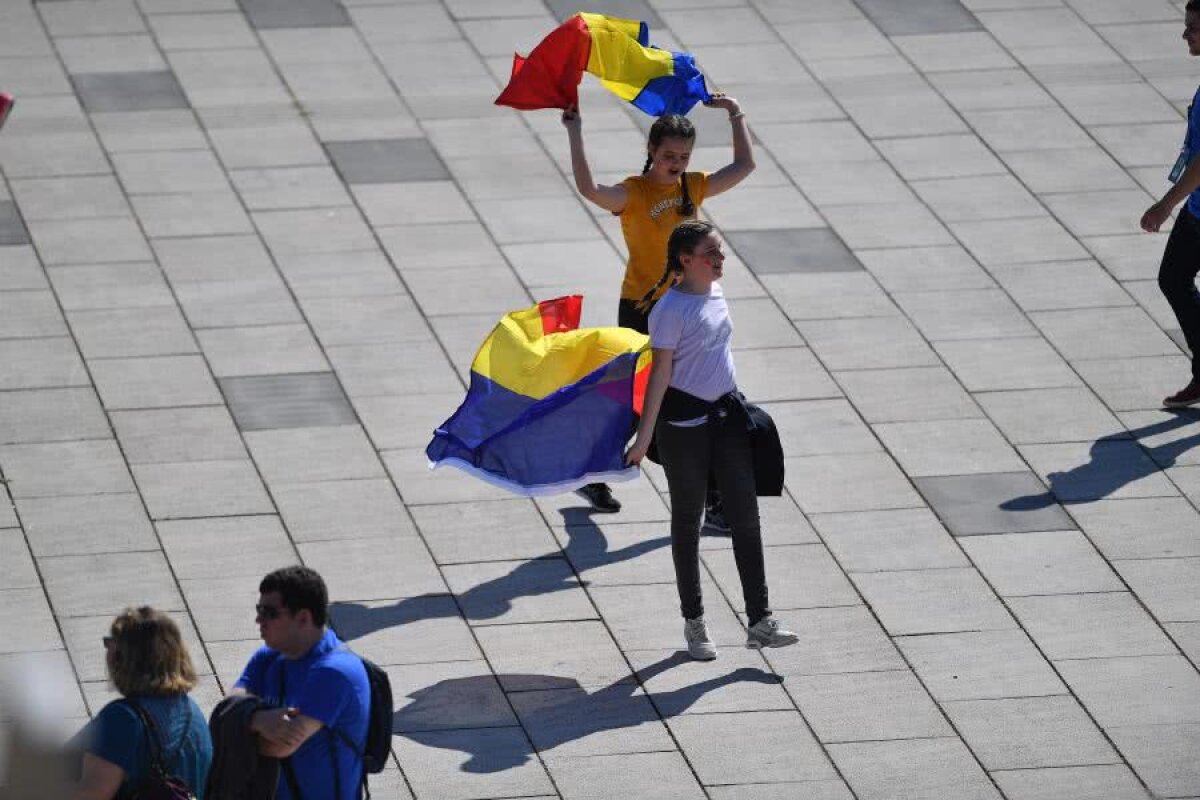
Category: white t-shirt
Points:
column 699, row 332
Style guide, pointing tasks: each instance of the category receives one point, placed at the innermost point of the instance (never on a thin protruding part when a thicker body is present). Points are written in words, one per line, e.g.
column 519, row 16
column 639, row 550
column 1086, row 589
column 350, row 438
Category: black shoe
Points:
column 600, row 496
column 714, row 520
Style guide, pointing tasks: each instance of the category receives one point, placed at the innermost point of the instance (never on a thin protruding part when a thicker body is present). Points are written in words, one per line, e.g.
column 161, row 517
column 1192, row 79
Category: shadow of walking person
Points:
column 587, row 548
column 559, row 713
column 1114, row 463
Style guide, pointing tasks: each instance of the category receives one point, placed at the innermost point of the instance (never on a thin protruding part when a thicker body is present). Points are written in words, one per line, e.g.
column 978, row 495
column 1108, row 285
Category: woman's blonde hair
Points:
column 684, row 239
column 147, row 655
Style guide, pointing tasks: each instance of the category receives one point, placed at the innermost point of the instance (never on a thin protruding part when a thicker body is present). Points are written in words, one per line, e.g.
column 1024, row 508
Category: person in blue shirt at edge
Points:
column 315, row 683
column 149, row 666
column 1181, row 259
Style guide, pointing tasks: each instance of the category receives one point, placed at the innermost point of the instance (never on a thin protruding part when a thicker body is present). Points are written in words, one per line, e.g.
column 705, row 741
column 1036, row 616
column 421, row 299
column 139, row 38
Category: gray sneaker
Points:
column 700, row 647
column 767, row 633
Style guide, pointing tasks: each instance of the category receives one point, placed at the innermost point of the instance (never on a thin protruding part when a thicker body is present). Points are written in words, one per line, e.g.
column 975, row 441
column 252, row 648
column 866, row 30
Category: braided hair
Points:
column 684, row 239
column 679, row 127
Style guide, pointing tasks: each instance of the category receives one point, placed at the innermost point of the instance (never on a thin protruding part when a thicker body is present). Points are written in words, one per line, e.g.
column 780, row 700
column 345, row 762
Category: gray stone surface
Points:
column 386, row 161
column 129, row 91
column 1010, row 502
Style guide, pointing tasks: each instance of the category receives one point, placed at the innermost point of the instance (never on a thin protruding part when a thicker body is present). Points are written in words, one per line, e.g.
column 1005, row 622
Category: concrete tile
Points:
column 950, row 156
column 29, row 624
column 468, row 290
column 986, row 503
column 573, row 723
column 1043, row 128
column 737, row 682
column 763, row 209
column 623, row 609
column 83, row 639
column 1080, row 169
column 925, row 17
column 170, row 171
column 413, row 202
column 1071, row 783
column 978, row 198
column 508, row 592
column 911, row 394
column 100, row 523
column 51, row 415
column 1076, row 284
column 313, row 231
column 201, row 31
column 1141, row 528
column 134, row 579
column 17, row 570
column 542, row 655
column 1049, row 415
column 436, row 246
column 920, row 769
column 793, row 250
column 82, row 19
column 264, row 350
column 89, row 241
column 805, row 577
column 118, row 52
column 223, row 609
column 20, row 268
column 837, row 38
column 270, row 14
column 833, row 483
column 56, row 669
column 783, row 373
column 326, row 276
column 828, row 295
column 159, row 382
column 833, row 182
column 250, row 146
column 980, row 665
column 30, row 314
column 299, row 455
column 1148, row 690
column 411, row 368
column 1018, row 241
column 373, row 569
column 202, row 489
column 61, row 469
column 896, row 539
column 193, row 214
column 1090, row 625
column 1165, row 586
column 1029, row 732
column 935, row 52
column 70, row 197
column 767, row 746
column 1092, row 333
column 893, row 225
column 948, row 447
column 129, row 91
column 468, row 763
column 869, row 343
column 835, row 640
column 618, row 553
column 1133, row 384
column 287, row 401
column 412, row 630
column 133, row 332
column 452, row 531
column 844, row 708
column 1006, row 364
column 761, row 324
column 532, row 219
column 109, row 286
column 1095, row 213
column 932, row 601
column 1080, row 472
column 421, row 485
column 1062, row 562
column 289, row 188
column 1159, row 755
column 1140, row 145
column 235, row 303
column 386, row 161
column 343, row 509
column 470, row 681
column 821, row 427
column 125, row 131
column 260, row 543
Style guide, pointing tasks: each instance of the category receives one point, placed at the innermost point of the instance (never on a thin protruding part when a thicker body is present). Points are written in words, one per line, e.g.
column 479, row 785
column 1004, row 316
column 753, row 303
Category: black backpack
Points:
column 160, row 784
column 379, row 727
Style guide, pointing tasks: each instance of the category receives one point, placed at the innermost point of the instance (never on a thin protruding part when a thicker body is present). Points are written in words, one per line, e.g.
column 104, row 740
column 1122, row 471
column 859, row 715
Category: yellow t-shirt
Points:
column 651, row 212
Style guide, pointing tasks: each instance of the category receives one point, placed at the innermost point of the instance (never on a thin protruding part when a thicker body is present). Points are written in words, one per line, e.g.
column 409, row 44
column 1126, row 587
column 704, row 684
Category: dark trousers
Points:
column 1177, row 280
column 688, row 455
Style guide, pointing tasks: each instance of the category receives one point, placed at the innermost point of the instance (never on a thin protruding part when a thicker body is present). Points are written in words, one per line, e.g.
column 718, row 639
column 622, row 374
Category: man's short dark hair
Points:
column 1193, row 6
column 299, row 588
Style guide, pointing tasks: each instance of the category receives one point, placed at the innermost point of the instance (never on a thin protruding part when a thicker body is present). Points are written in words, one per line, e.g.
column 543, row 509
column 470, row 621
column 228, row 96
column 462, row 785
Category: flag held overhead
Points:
column 617, row 51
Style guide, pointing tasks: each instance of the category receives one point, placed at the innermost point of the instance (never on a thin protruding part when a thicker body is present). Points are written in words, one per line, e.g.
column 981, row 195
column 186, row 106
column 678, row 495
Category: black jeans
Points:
column 1177, row 280
column 688, row 456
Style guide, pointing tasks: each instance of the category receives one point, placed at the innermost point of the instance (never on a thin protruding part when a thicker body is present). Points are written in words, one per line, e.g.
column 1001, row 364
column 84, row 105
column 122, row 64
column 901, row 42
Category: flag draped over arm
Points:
column 617, row 51
column 550, row 406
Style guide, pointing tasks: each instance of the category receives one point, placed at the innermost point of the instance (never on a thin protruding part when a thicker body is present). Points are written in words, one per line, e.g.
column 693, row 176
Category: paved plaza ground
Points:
column 249, row 247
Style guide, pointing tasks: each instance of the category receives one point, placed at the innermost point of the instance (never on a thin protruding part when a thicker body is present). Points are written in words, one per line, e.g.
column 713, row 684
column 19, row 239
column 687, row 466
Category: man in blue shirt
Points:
column 1181, row 259
column 319, row 688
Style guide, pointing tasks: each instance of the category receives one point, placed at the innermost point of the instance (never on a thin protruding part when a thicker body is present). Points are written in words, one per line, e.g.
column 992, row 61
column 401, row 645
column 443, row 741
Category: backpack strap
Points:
column 154, row 738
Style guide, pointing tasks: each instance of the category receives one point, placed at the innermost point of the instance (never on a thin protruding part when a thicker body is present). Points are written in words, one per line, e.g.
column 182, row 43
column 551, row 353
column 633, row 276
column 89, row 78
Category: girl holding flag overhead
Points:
column 703, row 424
column 650, row 205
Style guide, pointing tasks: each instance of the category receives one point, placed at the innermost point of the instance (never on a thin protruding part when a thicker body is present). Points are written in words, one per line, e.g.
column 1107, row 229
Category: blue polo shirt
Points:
column 329, row 684
column 1191, row 144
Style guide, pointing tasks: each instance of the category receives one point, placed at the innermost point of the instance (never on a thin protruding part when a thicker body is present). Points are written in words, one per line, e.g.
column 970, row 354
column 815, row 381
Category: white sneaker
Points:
column 767, row 633
column 700, row 647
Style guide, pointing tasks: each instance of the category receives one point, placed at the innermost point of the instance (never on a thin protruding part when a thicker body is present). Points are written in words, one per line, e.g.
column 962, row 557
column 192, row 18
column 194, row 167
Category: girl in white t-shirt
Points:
column 692, row 391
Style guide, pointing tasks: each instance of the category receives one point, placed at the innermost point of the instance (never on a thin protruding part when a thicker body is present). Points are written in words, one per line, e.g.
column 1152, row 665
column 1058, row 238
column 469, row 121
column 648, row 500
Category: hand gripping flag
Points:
column 617, row 51
column 550, row 406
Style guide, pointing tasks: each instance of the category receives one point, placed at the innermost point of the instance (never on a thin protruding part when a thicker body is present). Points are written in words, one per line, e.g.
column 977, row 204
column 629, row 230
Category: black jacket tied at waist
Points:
column 730, row 409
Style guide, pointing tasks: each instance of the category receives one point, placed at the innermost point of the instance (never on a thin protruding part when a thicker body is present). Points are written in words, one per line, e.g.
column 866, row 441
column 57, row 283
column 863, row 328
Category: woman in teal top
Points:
column 149, row 665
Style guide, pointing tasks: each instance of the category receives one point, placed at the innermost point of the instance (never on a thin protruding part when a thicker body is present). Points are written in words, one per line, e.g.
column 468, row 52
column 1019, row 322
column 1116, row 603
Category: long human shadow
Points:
column 1114, row 461
column 558, row 710
column 587, row 548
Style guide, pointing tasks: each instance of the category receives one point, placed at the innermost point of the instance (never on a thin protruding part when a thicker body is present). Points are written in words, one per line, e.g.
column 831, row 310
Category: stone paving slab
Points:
column 249, row 247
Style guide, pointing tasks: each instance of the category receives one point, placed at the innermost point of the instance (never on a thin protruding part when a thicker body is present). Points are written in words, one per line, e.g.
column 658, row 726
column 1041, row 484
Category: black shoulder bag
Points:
column 160, row 784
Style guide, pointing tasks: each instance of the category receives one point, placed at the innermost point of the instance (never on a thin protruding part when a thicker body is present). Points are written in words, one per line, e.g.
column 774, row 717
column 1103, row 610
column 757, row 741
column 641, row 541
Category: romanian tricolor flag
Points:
column 617, row 51
column 550, row 406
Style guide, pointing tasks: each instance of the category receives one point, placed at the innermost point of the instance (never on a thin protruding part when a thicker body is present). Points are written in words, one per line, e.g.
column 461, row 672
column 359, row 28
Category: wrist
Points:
column 736, row 114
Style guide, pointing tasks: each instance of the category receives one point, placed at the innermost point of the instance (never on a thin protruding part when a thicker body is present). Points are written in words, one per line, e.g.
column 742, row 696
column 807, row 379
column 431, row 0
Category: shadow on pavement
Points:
column 1115, row 462
column 558, row 711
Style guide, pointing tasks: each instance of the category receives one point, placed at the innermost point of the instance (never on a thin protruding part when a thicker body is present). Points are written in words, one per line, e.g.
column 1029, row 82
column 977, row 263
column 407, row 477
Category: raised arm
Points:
column 742, row 165
column 611, row 198
column 656, row 387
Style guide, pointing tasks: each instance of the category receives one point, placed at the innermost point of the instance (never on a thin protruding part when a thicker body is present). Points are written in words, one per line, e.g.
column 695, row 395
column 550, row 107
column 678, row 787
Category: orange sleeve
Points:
column 698, row 186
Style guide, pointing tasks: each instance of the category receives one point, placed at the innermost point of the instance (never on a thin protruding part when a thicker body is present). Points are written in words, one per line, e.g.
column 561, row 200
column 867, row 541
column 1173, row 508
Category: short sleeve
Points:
column 666, row 326
column 116, row 736
column 698, row 186
column 253, row 678
column 327, row 692
column 633, row 195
